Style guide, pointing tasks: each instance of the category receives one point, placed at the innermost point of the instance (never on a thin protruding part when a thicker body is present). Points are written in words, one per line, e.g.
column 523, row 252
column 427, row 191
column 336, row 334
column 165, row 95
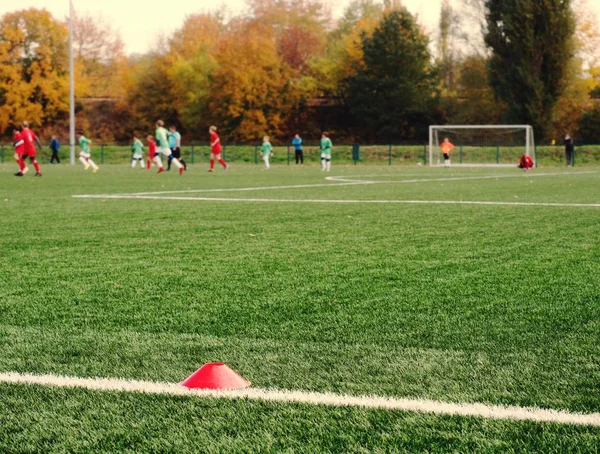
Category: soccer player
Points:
column 152, row 156
column 163, row 145
column 137, row 148
column 326, row 152
column 19, row 145
column 215, row 149
column 29, row 142
column 525, row 162
column 297, row 143
column 85, row 156
column 175, row 145
column 266, row 151
column 447, row 147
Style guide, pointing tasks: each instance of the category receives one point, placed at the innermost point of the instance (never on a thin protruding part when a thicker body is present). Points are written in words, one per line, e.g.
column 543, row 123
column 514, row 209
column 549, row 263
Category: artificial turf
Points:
column 465, row 303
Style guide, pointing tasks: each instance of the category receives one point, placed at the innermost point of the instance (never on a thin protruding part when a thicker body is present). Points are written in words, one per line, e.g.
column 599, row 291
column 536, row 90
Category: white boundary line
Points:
column 346, row 181
column 257, row 188
column 343, row 201
column 476, row 177
column 314, row 398
column 337, row 181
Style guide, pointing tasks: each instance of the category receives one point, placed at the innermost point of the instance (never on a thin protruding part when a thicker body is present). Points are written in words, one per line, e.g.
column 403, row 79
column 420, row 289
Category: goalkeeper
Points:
column 447, row 147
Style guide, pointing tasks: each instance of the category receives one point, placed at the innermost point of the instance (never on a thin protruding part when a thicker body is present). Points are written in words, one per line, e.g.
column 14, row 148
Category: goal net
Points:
column 474, row 145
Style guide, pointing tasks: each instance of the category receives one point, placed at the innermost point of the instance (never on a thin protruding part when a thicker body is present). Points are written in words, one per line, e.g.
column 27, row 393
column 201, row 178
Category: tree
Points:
column 33, row 68
column 150, row 89
column 581, row 72
column 191, row 65
column 447, row 49
column 200, row 32
column 190, row 83
column 589, row 129
column 355, row 12
column 298, row 26
column 475, row 103
column 392, row 96
column 99, row 58
column 532, row 46
column 472, row 27
column 251, row 92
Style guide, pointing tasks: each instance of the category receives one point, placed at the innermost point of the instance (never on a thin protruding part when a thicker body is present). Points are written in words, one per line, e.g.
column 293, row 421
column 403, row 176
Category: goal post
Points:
column 482, row 145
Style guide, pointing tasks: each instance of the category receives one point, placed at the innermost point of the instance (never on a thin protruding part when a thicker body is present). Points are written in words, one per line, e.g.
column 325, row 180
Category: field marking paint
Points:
column 476, row 177
column 344, row 201
column 478, row 410
column 337, row 181
column 257, row 188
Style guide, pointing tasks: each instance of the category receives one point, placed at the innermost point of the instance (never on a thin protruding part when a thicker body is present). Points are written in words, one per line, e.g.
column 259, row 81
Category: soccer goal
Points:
column 482, row 145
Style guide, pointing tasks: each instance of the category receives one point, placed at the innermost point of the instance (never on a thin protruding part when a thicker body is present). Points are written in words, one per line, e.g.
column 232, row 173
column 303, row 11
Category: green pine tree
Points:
column 531, row 43
column 393, row 93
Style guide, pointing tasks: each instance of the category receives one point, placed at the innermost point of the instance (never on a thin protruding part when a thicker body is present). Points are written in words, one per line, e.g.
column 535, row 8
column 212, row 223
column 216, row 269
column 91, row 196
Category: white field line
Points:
column 257, row 188
column 344, row 201
column 477, row 177
column 338, row 181
column 314, row 398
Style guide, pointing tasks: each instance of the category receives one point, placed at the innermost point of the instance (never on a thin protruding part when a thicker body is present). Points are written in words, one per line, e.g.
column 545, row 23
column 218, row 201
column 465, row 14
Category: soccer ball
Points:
column 419, row 164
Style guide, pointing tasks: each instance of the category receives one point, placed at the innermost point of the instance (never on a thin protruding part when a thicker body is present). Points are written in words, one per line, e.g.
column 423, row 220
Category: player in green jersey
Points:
column 266, row 151
column 136, row 149
column 326, row 152
column 85, row 156
column 163, row 146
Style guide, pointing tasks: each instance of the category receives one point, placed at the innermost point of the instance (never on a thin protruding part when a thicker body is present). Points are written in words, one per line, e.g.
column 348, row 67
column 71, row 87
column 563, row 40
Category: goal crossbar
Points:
column 527, row 146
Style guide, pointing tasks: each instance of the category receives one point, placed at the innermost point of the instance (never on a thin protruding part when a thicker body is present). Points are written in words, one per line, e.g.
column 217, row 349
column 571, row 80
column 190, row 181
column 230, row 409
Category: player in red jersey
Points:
column 30, row 140
column 19, row 145
column 215, row 149
column 153, row 157
column 151, row 152
column 525, row 162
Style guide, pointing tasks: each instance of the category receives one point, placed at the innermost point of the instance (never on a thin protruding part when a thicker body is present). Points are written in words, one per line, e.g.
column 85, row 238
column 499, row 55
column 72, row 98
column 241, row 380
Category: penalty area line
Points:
column 479, row 410
column 340, row 201
column 350, row 178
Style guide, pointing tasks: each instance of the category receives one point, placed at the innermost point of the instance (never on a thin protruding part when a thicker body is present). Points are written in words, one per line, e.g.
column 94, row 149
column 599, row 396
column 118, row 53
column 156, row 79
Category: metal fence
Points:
column 389, row 154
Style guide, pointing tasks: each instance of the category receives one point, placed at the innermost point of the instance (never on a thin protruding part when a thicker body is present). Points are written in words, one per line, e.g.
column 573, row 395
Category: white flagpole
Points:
column 71, row 88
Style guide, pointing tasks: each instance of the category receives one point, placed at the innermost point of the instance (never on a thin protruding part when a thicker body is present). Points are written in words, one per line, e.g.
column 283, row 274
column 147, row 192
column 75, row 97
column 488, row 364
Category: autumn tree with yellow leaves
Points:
column 283, row 66
column 33, row 69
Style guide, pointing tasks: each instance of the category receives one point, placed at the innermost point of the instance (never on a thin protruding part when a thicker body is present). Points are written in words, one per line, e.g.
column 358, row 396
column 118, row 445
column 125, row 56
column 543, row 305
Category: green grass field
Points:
column 495, row 304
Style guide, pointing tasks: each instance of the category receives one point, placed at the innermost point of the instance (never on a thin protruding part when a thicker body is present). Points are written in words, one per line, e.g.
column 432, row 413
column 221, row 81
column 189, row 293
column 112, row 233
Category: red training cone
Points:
column 215, row 376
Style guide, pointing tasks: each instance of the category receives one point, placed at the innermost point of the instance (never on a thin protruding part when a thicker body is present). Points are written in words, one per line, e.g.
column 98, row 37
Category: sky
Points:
column 141, row 22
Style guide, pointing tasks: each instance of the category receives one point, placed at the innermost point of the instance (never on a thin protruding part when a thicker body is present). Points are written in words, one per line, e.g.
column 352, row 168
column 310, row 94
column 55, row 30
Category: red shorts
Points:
column 28, row 154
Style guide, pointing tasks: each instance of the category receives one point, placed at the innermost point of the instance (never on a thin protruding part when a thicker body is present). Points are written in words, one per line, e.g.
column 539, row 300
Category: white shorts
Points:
column 166, row 151
column 326, row 156
column 84, row 155
column 137, row 156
